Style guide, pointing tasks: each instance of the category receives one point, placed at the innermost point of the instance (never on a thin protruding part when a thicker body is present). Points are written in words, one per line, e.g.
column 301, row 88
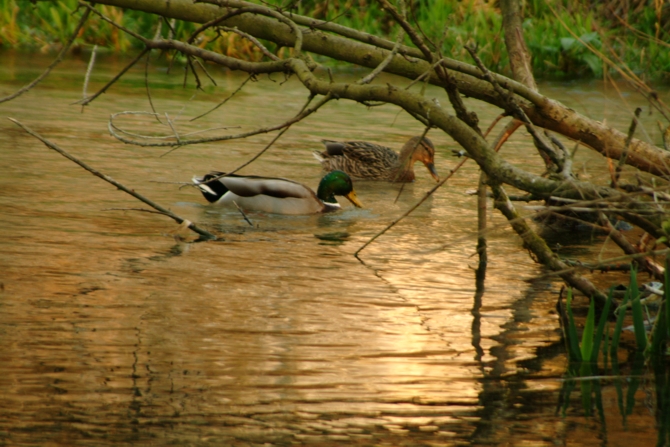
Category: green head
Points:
column 337, row 183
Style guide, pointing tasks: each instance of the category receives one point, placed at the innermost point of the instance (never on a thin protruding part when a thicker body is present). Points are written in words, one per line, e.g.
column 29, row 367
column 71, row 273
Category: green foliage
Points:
column 561, row 34
column 573, row 343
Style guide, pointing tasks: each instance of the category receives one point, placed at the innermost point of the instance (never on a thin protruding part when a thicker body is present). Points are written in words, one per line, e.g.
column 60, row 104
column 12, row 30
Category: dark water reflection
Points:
column 114, row 332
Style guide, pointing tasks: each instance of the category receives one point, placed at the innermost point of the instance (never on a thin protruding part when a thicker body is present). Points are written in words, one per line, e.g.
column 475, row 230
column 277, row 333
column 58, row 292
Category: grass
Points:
column 650, row 350
column 555, row 31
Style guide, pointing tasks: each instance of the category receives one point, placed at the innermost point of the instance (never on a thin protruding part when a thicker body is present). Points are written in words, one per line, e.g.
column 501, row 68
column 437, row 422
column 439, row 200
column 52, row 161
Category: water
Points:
column 117, row 328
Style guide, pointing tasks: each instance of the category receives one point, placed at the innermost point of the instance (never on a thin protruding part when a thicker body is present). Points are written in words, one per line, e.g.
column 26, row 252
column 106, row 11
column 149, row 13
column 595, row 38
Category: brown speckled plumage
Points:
column 371, row 161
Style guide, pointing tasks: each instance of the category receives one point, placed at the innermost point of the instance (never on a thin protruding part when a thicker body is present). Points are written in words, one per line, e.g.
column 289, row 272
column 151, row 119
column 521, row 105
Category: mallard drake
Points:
column 276, row 195
column 370, row 161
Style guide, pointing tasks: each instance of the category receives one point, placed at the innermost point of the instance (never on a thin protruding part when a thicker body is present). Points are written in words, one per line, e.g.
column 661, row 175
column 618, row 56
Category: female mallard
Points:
column 373, row 162
column 276, row 195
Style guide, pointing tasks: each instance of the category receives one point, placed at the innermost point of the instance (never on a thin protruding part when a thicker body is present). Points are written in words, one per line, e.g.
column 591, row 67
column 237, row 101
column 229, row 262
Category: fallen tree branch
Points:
column 539, row 247
column 190, row 225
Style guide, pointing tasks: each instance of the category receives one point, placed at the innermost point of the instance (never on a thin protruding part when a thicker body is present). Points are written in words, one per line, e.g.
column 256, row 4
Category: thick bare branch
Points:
column 542, row 111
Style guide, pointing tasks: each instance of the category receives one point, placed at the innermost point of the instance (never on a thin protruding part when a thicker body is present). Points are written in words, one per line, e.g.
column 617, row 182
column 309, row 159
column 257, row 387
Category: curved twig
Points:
column 115, row 131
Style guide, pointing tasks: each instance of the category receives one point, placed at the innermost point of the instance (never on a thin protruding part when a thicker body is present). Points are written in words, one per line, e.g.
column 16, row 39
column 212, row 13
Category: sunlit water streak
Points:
column 114, row 331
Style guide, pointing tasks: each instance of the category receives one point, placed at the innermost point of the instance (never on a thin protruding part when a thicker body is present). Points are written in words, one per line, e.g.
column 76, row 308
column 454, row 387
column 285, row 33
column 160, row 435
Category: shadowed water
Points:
column 114, row 330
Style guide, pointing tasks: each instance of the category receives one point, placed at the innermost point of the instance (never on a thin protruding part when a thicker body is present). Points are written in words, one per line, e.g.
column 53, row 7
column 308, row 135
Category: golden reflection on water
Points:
column 115, row 331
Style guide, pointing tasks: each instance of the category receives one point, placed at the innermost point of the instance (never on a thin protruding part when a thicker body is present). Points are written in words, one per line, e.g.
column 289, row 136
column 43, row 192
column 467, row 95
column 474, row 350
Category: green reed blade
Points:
column 601, row 325
column 666, row 295
column 606, row 346
column 638, row 324
column 618, row 327
column 575, row 353
column 658, row 331
column 587, row 335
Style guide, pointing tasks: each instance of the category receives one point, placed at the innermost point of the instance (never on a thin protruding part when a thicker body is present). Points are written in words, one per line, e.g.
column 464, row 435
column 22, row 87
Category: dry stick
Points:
column 215, row 22
column 189, row 60
column 58, row 59
column 624, row 152
column 89, row 70
column 204, row 69
column 113, row 129
column 90, row 99
column 425, row 74
column 146, row 86
column 481, row 219
column 179, row 220
column 242, row 212
column 601, row 267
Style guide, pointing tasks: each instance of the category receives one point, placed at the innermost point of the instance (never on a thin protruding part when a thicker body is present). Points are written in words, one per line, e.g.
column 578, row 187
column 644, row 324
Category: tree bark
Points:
column 519, row 56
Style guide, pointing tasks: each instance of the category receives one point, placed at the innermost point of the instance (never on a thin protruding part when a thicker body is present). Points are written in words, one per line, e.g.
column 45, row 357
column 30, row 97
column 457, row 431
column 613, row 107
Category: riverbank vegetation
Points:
column 568, row 38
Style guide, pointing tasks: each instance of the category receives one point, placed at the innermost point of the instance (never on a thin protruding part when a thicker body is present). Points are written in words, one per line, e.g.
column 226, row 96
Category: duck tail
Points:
column 318, row 156
column 211, row 190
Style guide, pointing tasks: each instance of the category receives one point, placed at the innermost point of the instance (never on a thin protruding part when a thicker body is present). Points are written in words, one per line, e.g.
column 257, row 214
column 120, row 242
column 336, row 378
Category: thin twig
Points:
column 624, row 152
column 56, row 61
column 174, row 131
column 146, row 85
column 89, row 70
column 618, row 238
column 374, row 73
column 548, row 153
column 424, row 74
column 178, row 219
column 407, row 213
column 250, row 77
column 253, row 40
column 304, row 110
column 90, row 99
column 243, row 214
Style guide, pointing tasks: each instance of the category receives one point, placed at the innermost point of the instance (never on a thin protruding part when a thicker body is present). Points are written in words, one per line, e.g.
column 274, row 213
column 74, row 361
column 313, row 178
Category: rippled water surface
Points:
column 117, row 328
